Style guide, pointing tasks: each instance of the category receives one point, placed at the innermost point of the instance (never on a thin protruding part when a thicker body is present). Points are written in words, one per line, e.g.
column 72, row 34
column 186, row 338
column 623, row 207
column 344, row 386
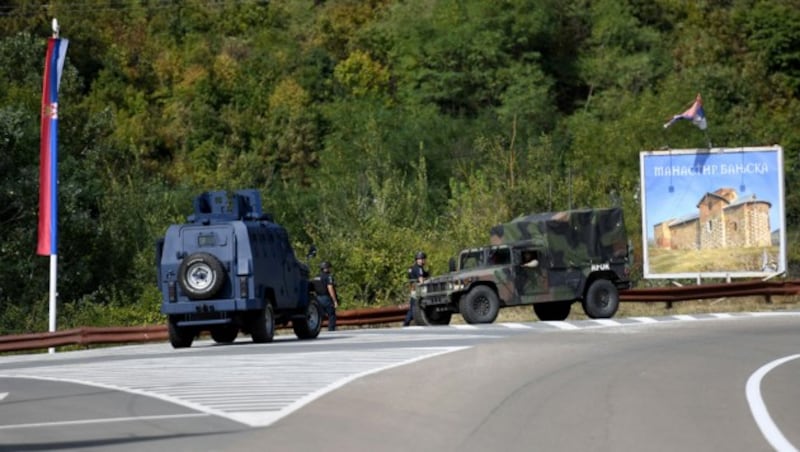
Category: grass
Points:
column 709, row 260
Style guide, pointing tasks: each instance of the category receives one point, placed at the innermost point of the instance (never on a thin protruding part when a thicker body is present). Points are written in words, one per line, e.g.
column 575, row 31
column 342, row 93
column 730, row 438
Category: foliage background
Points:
column 372, row 128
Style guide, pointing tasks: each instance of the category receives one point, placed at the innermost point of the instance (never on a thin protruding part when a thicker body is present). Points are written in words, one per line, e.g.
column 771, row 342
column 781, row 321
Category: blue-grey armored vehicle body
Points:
column 230, row 268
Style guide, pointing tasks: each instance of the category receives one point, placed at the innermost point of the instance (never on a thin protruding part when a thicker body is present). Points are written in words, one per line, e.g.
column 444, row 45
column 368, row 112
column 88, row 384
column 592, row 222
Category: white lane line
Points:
column 606, row 322
column 113, row 387
column 759, row 410
column 684, row 317
column 102, row 421
column 3, row 395
column 722, row 315
column 561, row 325
column 516, row 326
column 300, row 379
column 464, row 327
column 644, row 319
column 264, row 419
column 774, row 313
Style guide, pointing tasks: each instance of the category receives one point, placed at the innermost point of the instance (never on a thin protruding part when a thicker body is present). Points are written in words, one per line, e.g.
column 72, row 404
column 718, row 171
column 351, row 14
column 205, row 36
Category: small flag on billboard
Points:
column 695, row 113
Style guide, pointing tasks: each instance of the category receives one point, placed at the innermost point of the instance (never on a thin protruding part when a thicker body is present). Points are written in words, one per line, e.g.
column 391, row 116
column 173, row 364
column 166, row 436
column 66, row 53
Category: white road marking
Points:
column 684, row 317
column 606, row 322
column 722, row 315
column 562, row 325
column 516, row 326
column 644, row 319
column 759, row 410
column 259, row 389
column 101, row 421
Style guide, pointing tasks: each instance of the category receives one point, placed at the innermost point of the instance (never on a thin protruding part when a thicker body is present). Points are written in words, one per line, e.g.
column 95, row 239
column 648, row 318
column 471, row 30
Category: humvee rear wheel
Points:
column 224, row 334
column 201, row 276
column 428, row 316
column 480, row 305
column 601, row 300
column 309, row 325
column 179, row 337
column 262, row 328
column 552, row 311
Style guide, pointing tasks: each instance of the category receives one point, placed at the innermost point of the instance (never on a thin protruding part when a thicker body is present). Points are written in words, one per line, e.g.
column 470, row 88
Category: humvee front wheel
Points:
column 262, row 328
column 480, row 305
column 428, row 316
column 309, row 325
column 552, row 311
column 179, row 337
column 601, row 300
column 224, row 334
column 201, row 276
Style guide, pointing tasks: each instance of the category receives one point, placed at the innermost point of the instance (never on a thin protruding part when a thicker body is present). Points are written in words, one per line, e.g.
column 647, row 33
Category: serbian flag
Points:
column 48, row 148
column 695, row 113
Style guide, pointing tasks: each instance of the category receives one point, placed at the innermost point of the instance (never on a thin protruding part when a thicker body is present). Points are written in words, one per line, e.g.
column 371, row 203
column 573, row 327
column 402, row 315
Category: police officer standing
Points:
column 416, row 275
column 325, row 286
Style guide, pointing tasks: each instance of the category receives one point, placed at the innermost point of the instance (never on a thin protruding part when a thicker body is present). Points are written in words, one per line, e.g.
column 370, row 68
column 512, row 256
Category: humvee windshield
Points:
column 471, row 259
column 485, row 257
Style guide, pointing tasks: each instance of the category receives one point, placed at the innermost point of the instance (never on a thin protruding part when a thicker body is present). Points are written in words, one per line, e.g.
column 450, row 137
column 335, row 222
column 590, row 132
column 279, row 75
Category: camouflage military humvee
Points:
column 547, row 260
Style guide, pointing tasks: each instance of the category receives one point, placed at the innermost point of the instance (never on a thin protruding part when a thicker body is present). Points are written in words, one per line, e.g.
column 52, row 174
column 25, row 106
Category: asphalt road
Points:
column 708, row 382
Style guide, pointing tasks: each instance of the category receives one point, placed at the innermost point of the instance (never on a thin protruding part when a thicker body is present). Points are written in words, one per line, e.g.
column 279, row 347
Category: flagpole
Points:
column 53, row 279
column 49, row 170
column 53, row 306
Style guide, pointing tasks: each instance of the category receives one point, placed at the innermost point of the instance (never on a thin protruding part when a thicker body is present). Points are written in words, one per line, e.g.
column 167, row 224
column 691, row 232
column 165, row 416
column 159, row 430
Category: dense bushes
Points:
column 372, row 128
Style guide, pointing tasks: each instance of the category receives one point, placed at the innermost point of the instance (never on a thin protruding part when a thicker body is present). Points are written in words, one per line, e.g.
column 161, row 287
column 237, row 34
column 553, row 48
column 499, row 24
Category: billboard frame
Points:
column 688, row 170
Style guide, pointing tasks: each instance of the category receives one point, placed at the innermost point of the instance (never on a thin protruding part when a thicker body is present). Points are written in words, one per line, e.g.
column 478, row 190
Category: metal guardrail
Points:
column 158, row 333
column 699, row 292
column 378, row 316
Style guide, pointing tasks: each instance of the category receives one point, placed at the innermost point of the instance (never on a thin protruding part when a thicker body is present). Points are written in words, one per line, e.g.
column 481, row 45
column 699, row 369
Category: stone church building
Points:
column 722, row 220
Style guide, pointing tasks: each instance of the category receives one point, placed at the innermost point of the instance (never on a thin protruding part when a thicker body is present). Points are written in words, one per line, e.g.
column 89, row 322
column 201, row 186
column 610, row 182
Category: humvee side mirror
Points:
column 451, row 264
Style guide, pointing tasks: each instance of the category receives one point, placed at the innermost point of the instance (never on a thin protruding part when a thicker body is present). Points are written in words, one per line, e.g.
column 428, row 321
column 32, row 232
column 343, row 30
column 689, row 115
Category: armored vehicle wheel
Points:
column 224, row 334
column 601, row 300
column 427, row 316
column 201, row 276
column 552, row 311
column 262, row 328
column 179, row 337
column 308, row 325
column 480, row 305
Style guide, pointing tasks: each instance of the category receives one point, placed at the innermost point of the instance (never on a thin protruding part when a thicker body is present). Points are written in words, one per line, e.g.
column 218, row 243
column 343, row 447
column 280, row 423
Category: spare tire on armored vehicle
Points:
column 201, row 276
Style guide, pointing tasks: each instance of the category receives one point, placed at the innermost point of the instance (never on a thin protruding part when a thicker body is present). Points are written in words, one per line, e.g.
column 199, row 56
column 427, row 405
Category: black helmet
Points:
column 419, row 255
column 324, row 265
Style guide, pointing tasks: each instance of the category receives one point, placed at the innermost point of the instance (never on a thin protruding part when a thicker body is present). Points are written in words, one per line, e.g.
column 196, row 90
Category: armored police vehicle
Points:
column 231, row 268
column 548, row 260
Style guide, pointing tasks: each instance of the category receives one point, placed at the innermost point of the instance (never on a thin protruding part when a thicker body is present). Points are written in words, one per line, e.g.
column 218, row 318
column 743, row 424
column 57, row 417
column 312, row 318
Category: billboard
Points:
column 715, row 213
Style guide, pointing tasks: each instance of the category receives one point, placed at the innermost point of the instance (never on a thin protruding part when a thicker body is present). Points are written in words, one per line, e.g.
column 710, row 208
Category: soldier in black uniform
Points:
column 325, row 286
column 416, row 275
